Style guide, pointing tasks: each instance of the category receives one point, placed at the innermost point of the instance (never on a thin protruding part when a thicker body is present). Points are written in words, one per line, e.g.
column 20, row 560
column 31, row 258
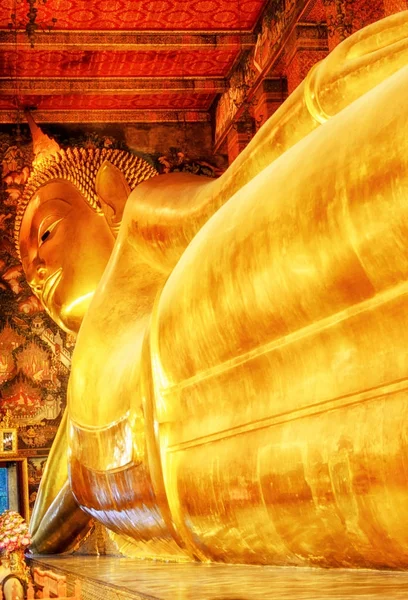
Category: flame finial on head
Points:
column 43, row 145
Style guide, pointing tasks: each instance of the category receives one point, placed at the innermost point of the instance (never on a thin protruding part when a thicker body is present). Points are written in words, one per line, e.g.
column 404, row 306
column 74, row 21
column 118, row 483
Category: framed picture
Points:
column 8, row 441
column 14, row 483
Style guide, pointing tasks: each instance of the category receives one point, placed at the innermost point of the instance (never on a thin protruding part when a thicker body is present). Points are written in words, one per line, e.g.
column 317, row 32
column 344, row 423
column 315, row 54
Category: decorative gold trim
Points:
column 113, row 85
column 7, row 421
column 24, row 488
column 129, row 40
column 8, row 442
column 112, row 116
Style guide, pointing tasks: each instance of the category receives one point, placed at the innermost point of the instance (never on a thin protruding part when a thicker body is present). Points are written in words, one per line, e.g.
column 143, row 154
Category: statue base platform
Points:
column 117, row 578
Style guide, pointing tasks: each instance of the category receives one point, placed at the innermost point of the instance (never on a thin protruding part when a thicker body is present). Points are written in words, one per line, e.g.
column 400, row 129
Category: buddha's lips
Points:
column 50, row 286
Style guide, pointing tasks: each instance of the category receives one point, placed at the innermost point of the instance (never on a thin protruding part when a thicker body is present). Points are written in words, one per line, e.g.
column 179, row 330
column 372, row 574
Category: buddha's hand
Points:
column 357, row 65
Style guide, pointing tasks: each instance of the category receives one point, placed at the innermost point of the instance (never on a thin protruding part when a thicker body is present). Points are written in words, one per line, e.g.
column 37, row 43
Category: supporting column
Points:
column 239, row 136
column 270, row 95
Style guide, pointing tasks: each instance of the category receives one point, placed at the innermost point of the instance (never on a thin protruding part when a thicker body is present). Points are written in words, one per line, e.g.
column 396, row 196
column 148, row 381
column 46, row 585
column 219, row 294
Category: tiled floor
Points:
column 130, row 578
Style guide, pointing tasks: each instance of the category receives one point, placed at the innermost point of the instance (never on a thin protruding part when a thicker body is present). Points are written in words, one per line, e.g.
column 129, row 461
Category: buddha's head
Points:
column 67, row 221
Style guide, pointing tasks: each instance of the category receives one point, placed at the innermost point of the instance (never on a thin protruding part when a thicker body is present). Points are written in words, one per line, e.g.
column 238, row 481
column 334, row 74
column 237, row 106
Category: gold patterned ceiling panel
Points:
column 120, row 55
column 143, row 15
column 113, row 102
column 120, row 63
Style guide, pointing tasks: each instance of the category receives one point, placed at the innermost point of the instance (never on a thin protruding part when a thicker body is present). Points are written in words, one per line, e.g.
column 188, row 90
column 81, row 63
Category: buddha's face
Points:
column 65, row 247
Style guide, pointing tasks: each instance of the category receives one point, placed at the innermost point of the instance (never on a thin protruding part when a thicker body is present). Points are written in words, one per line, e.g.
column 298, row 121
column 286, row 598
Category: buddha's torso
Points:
column 262, row 389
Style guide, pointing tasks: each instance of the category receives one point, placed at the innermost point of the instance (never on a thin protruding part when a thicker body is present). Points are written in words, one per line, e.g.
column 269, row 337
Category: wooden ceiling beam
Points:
column 127, row 40
column 115, row 116
column 113, row 85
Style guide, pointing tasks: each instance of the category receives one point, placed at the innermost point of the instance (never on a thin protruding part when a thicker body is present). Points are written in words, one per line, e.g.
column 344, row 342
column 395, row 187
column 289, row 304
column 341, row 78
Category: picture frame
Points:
column 21, row 489
column 8, row 442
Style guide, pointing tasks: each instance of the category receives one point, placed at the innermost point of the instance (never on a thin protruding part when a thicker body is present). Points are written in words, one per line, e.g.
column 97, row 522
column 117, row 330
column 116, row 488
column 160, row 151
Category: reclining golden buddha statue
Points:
column 238, row 389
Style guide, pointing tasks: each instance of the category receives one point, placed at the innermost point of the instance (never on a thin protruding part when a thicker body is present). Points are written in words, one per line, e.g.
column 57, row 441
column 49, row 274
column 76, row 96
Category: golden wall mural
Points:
column 35, row 355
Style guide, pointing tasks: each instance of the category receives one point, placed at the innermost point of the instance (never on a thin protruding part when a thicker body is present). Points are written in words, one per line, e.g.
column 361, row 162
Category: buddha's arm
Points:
column 63, row 524
column 57, row 523
column 169, row 210
column 51, row 485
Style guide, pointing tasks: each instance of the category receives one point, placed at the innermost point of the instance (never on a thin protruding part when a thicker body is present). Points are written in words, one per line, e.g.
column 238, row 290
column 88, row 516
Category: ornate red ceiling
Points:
column 121, row 63
column 121, row 55
column 114, row 102
column 142, row 15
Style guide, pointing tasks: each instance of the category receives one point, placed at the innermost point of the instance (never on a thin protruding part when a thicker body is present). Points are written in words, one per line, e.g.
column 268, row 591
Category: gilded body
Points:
column 238, row 384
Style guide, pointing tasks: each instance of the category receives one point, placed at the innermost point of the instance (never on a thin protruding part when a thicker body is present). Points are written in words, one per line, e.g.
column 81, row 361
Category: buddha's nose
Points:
column 37, row 280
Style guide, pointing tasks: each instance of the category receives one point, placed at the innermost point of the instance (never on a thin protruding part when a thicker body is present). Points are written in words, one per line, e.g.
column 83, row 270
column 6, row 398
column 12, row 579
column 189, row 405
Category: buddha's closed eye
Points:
column 46, row 230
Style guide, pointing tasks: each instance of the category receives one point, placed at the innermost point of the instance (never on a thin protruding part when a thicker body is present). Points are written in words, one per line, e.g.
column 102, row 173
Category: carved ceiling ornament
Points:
column 73, row 68
column 30, row 26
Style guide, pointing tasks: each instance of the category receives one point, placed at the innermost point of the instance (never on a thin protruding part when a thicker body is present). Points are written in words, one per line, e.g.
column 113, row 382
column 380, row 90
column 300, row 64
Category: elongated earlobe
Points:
column 113, row 191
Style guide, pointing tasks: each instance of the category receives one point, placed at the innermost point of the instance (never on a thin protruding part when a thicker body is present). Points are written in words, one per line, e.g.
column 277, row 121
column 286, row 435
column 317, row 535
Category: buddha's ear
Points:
column 113, row 192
